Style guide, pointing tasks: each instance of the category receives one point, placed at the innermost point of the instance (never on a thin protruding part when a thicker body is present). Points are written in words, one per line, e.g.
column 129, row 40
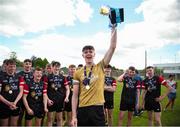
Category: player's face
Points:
column 107, row 71
column 89, row 55
column 56, row 69
column 72, row 70
column 4, row 67
column 131, row 73
column 27, row 66
column 49, row 70
column 150, row 72
column 37, row 75
column 11, row 69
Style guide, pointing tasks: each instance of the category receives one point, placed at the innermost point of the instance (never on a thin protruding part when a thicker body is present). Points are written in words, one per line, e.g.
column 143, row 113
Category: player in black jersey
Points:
column 11, row 91
column 109, row 89
column 35, row 99
column 27, row 74
column 131, row 88
column 68, row 105
column 152, row 95
column 58, row 93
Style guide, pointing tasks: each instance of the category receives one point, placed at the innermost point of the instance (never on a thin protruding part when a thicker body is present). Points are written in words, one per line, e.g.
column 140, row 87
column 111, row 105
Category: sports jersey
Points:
column 130, row 86
column 9, row 86
column 173, row 85
column 95, row 94
column 28, row 76
column 109, row 81
column 56, row 87
column 153, row 87
column 35, row 91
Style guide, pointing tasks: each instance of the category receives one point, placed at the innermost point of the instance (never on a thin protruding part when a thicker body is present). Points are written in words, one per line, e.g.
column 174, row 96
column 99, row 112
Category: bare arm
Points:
column 110, row 52
column 8, row 103
column 169, row 88
column 19, row 95
column 110, row 88
column 75, row 103
column 67, row 93
column 28, row 109
column 121, row 77
column 143, row 97
column 138, row 98
column 45, row 102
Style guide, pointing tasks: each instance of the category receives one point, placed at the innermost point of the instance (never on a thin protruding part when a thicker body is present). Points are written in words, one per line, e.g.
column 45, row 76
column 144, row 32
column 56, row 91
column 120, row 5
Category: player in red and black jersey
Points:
column 68, row 105
column 58, row 93
column 109, row 89
column 11, row 91
column 129, row 93
column 35, row 99
column 152, row 95
column 27, row 74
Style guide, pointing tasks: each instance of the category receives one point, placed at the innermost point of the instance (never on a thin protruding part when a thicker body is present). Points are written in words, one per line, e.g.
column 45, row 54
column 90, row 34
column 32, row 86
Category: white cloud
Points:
column 63, row 48
column 163, row 16
column 161, row 26
column 22, row 16
column 4, row 51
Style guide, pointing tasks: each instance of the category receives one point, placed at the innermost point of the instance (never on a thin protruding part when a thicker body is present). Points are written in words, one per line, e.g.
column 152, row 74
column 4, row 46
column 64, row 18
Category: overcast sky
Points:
column 58, row 29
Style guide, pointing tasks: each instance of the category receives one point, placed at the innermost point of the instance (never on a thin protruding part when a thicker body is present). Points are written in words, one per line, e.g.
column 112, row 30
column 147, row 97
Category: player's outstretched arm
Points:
column 112, row 47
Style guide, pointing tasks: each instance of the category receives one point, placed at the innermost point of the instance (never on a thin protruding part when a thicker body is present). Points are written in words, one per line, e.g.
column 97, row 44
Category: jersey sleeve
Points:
column 65, row 81
column 138, row 86
column 21, row 81
column 76, row 78
column 44, row 87
column 0, row 86
column 114, row 83
column 162, row 81
column 26, row 89
column 143, row 86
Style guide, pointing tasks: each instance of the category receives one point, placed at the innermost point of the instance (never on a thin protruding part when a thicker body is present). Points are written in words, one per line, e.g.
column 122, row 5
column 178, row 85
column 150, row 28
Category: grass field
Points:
column 169, row 118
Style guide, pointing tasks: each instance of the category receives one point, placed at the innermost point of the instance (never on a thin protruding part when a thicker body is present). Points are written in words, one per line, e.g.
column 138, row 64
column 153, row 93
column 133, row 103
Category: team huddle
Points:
column 86, row 94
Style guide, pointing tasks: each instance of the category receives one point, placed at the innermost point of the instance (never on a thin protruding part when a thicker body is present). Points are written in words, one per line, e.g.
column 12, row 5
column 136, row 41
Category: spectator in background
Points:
column 172, row 94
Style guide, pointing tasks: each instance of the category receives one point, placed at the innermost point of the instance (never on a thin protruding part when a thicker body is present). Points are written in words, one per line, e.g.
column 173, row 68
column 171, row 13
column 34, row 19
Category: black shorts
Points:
column 109, row 104
column 57, row 106
column 124, row 106
column 38, row 112
column 6, row 112
column 152, row 106
column 91, row 116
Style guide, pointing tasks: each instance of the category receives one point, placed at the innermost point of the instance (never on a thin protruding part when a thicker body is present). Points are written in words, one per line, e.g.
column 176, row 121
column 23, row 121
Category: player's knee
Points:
column 157, row 120
column 110, row 116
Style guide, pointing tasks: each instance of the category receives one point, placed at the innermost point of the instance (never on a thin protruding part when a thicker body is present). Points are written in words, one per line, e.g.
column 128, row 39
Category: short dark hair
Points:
column 80, row 65
column 132, row 68
column 171, row 75
column 56, row 63
column 27, row 60
column 48, row 65
column 148, row 67
column 38, row 69
column 10, row 61
column 90, row 47
column 72, row 66
column 108, row 66
column 5, row 61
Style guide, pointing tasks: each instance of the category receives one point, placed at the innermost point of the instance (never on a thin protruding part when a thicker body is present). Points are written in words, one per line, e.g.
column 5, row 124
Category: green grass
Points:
column 168, row 118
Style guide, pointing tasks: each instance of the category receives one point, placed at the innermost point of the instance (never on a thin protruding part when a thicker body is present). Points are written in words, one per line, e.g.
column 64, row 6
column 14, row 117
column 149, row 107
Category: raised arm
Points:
column 110, row 52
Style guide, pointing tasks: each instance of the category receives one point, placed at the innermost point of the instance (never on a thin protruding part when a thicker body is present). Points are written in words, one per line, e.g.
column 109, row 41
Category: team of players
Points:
column 36, row 93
